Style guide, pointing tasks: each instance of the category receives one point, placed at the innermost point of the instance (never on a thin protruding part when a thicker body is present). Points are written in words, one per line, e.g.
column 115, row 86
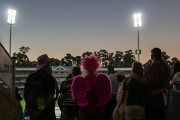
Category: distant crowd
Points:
column 98, row 96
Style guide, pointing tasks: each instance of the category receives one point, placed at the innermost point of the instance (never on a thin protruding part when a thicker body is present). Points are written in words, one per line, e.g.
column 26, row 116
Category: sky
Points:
column 58, row 27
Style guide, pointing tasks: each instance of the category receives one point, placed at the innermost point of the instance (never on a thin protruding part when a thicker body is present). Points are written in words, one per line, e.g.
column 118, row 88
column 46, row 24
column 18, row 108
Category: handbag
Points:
column 118, row 113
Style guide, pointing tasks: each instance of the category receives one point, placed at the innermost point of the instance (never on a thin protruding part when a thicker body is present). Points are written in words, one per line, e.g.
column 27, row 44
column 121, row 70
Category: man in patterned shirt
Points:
column 156, row 77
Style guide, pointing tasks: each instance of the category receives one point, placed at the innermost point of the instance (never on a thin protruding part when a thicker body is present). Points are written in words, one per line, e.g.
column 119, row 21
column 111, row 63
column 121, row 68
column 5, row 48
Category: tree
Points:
column 118, row 59
column 77, row 59
column 67, row 60
column 103, row 56
column 128, row 58
column 22, row 59
column 56, row 62
column 147, row 65
column 86, row 53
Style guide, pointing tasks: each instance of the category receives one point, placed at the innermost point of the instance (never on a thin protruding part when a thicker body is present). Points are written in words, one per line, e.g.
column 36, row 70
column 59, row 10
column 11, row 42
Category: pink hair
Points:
column 90, row 63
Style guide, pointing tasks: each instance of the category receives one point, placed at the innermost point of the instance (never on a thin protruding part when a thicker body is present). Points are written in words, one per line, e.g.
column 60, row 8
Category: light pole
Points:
column 11, row 21
column 137, row 23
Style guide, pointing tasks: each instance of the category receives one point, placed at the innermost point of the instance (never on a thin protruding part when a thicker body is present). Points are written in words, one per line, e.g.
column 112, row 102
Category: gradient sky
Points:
column 57, row 27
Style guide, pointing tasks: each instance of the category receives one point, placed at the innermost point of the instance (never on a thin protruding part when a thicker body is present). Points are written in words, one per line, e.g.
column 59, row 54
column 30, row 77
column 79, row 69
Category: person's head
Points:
column 44, row 62
column 137, row 68
column 120, row 76
column 155, row 54
column 90, row 64
column 176, row 67
column 110, row 69
column 76, row 71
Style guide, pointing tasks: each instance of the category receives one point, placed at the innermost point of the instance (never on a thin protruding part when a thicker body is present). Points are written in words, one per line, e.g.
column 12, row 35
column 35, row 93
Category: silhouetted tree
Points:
column 128, row 58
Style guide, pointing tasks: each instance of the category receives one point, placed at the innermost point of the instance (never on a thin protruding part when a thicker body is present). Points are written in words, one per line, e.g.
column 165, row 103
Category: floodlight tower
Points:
column 137, row 23
column 11, row 21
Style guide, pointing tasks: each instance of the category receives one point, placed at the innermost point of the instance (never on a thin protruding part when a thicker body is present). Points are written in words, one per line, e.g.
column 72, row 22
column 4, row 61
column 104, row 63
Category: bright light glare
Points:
column 11, row 16
column 137, row 20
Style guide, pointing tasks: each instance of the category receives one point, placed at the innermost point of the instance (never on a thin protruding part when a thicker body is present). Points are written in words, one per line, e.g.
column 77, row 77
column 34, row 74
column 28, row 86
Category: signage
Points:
column 6, row 67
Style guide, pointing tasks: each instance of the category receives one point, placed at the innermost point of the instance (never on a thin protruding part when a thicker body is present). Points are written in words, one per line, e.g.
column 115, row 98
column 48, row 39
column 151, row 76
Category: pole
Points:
column 138, row 46
column 10, row 40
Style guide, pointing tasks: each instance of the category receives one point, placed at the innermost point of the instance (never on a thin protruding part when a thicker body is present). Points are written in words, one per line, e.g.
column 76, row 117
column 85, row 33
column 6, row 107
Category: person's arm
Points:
column 158, row 91
column 139, row 78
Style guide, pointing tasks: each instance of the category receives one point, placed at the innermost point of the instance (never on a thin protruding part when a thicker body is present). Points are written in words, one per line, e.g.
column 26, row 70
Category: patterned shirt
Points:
column 69, row 104
column 158, row 75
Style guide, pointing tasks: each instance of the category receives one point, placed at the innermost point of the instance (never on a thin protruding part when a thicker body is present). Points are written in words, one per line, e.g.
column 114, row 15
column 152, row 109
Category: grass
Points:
column 23, row 104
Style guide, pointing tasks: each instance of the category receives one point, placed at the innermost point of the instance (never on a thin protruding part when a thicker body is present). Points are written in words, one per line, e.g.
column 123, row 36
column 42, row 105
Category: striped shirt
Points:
column 69, row 104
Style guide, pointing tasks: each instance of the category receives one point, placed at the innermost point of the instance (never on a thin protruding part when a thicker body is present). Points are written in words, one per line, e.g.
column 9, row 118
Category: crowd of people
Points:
column 99, row 96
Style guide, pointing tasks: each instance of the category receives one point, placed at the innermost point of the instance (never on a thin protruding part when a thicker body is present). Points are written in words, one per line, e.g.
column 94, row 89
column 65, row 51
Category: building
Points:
column 59, row 72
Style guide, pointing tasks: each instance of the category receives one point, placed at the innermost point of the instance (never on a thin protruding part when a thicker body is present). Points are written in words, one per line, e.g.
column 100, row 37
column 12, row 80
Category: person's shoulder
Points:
column 99, row 75
column 31, row 76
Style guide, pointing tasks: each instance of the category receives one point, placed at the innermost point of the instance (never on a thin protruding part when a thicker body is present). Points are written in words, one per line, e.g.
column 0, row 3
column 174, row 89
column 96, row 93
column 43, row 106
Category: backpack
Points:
column 32, row 93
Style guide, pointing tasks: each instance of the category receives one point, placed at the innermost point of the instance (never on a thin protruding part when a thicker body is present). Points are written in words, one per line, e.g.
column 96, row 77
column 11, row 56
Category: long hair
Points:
column 90, row 63
column 137, row 68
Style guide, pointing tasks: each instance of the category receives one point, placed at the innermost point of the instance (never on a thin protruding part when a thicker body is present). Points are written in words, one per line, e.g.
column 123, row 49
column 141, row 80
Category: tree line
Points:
column 118, row 59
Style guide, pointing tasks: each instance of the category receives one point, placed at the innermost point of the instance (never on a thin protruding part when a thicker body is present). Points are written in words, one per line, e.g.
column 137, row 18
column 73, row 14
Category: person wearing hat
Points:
column 47, row 89
column 120, row 76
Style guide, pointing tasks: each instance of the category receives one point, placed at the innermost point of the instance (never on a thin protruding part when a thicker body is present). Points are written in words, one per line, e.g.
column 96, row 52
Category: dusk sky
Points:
column 58, row 27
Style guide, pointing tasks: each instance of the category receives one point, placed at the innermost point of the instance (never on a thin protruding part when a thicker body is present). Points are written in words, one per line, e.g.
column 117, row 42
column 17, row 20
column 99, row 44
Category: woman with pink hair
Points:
column 92, row 91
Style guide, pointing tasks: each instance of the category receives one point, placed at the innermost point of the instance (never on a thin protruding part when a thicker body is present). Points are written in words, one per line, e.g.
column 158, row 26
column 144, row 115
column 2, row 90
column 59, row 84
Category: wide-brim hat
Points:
column 42, row 61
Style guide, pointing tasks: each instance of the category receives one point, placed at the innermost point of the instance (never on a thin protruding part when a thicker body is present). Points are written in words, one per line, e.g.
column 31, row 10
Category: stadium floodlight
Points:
column 137, row 20
column 11, row 16
column 11, row 21
column 138, row 24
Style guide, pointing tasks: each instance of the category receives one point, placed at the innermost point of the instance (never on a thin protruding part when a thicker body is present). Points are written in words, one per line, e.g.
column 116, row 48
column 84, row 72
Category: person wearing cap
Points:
column 92, row 91
column 133, row 95
column 120, row 76
column 47, row 89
